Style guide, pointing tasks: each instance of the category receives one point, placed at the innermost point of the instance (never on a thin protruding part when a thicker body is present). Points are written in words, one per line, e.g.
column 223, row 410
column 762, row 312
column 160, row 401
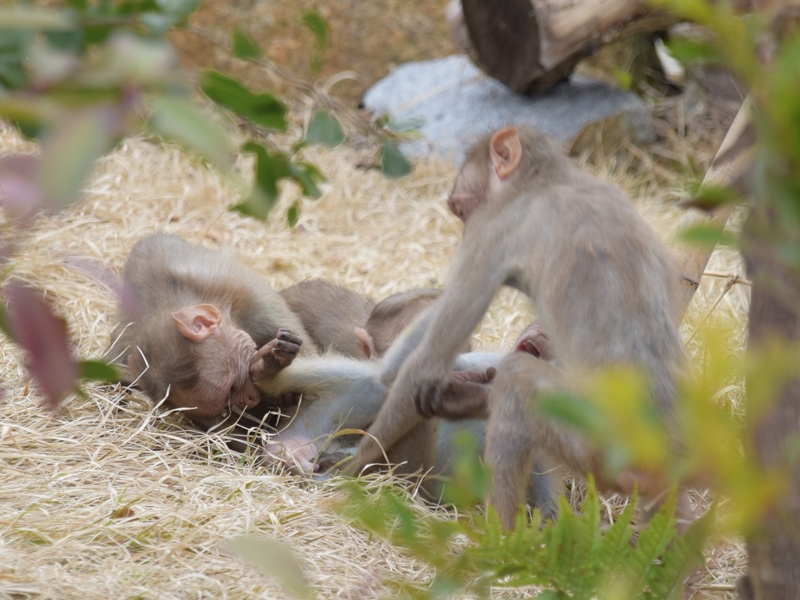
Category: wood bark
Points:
column 728, row 165
column 530, row 45
column 774, row 549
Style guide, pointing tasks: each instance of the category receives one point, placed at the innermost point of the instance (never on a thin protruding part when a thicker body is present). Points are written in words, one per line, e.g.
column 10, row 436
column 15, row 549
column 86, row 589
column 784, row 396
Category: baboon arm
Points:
column 477, row 275
column 403, row 346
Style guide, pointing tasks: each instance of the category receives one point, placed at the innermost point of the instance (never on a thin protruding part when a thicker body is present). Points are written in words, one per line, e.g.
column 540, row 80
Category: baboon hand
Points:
column 428, row 396
column 425, row 382
column 465, row 396
column 275, row 354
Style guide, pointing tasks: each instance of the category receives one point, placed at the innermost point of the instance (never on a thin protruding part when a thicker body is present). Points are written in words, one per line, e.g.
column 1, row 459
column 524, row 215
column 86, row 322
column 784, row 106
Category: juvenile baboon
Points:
column 602, row 285
column 329, row 312
column 196, row 326
column 341, row 393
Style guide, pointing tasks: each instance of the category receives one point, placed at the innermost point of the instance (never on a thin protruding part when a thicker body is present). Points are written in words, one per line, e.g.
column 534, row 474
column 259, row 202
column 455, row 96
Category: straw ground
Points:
column 111, row 498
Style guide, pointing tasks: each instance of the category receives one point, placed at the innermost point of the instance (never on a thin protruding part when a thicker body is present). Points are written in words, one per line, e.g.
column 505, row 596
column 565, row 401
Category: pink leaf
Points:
column 44, row 336
column 128, row 300
column 20, row 193
column 97, row 270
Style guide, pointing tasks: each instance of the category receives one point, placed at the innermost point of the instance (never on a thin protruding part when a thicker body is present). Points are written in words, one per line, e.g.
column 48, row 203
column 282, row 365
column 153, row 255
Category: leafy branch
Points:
column 80, row 78
column 325, row 125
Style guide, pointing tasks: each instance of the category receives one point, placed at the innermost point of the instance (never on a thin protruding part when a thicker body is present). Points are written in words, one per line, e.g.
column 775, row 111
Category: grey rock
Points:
column 458, row 103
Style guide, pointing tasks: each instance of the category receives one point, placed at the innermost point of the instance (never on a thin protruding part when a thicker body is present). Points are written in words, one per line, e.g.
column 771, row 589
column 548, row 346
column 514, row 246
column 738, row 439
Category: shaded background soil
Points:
column 367, row 38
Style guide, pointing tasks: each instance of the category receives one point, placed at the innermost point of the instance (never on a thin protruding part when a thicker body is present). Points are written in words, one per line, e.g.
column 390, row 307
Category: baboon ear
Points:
column 365, row 343
column 197, row 322
column 506, row 151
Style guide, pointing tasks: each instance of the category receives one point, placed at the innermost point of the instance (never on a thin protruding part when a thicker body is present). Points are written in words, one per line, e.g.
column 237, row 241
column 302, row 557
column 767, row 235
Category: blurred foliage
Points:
column 319, row 27
column 276, row 560
column 713, row 441
column 763, row 50
column 575, row 556
column 81, row 78
column 82, row 75
column 570, row 556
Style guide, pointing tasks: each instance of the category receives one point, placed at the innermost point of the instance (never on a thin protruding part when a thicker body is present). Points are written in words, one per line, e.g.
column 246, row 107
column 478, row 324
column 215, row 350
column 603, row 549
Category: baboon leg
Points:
column 516, row 436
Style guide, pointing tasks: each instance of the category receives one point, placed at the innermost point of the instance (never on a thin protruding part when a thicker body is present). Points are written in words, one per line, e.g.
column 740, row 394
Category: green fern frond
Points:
column 683, row 554
column 615, row 545
column 650, row 546
column 571, row 555
column 587, row 569
column 561, row 551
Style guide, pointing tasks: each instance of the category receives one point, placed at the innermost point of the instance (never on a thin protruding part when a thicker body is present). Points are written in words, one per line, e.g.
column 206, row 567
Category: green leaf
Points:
column 157, row 23
column 393, row 163
column 407, row 526
column 179, row 120
column 624, row 78
column 69, row 156
column 69, row 40
column 325, row 129
column 653, row 540
column 577, row 412
column 318, row 26
column 48, row 65
column 587, row 544
column 681, row 557
column 471, row 480
column 708, row 197
column 244, row 46
column 179, row 9
column 160, row 16
column 4, row 321
column 13, row 49
column 707, row 235
column 293, row 214
column 79, row 5
column 262, row 109
column 307, row 176
column 107, row 8
column 443, row 587
column 563, row 545
column 129, row 59
column 689, row 51
column 274, row 559
column 405, row 125
column 269, row 169
column 34, row 18
column 615, row 544
column 97, row 370
column 22, row 110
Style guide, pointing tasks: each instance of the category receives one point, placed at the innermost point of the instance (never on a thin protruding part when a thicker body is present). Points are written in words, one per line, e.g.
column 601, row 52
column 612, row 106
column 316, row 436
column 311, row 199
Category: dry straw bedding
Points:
column 109, row 498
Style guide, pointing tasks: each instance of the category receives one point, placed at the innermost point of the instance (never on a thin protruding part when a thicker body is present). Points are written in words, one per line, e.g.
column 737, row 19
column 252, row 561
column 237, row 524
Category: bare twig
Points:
column 733, row 279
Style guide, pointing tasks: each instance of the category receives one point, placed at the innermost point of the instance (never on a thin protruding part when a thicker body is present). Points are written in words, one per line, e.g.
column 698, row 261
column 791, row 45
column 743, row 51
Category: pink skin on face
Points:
column 224, row 379
column 462, row 201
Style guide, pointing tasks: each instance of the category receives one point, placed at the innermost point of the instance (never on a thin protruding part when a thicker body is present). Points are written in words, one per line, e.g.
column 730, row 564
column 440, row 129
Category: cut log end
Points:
column 531, row 45
column 505, row 35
